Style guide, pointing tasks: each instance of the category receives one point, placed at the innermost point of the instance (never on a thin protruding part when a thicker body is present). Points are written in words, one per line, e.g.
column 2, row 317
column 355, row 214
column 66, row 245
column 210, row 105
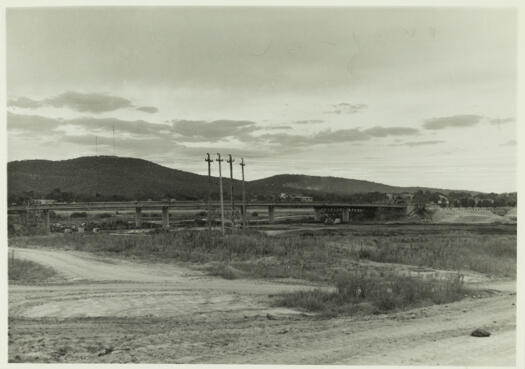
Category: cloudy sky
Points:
column 399, row 96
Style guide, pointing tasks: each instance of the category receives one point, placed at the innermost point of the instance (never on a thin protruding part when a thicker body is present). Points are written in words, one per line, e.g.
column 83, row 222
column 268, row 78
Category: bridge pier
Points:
column 271, row 213
column 345, row 216
column 47, row 228
column 138, row 217
column 242, row 209
column 165, row 217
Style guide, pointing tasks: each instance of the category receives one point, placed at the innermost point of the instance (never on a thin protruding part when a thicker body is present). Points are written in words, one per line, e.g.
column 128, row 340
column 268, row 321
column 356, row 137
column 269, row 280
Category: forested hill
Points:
column 116, row 178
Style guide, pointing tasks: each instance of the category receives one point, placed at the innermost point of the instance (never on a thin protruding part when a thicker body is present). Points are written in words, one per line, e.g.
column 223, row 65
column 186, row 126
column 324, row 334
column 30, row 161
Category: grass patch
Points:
column 314, row 256
column 362, row 292
column 224, row 271
column 28, row 272
column 332, row 258
column 493, row 255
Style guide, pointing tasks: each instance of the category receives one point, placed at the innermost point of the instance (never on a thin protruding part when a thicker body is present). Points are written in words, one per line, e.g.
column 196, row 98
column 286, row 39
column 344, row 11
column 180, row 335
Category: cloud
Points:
column 131, row 146
column 140, row 137
column 31, row 123
column 36, row 124
column 346, row 108
column 418, row 143
column 310, row 121
column 497, row 121
column 272, row 128
column 390, row 131
column 88, row 102
column 78, row 101
column 148, row 109
column 141, row 147
column 137, row 127
column 453, row 121
column 24, row 102
column 342, row 135
column 197, row 130
column 286, row 140
column 290, row 142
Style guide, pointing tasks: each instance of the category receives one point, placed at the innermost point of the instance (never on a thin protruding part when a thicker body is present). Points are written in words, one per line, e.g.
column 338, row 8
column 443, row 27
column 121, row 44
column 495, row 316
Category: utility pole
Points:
column 209, row 189
column 113, row 140
column 242, row 164
column 230, row 161
column 96, row 145
column 220, row 189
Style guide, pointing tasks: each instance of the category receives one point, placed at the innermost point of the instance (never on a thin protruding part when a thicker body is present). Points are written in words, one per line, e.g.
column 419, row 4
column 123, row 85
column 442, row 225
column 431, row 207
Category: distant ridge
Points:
column 131, row 178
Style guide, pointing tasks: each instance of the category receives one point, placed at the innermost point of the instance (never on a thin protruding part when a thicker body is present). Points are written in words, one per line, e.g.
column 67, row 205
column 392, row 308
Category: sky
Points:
column 401, row 96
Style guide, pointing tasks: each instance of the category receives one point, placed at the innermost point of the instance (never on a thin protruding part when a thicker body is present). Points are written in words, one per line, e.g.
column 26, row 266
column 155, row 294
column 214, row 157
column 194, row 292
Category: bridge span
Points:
column 341, row 210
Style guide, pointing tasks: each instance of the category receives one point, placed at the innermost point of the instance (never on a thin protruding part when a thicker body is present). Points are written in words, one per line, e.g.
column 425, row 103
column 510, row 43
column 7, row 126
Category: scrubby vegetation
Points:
column 356, row 263
column 28, row 272
column 313, row 256
column 365, row 292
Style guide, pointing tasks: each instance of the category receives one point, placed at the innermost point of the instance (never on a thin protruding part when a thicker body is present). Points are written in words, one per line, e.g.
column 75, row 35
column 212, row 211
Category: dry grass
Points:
column 27, row 272
column 363, row 292
column 311, row 256
column 328, row 258
column 488, row 254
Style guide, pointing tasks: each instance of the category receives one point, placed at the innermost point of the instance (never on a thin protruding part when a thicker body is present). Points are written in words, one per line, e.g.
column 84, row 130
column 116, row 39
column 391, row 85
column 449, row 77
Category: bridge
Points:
column 339, row 209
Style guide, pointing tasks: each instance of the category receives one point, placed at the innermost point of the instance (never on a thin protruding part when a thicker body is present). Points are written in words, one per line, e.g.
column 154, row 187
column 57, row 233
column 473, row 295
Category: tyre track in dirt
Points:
column 89, row 286
column 212, row 320
column 434, row 335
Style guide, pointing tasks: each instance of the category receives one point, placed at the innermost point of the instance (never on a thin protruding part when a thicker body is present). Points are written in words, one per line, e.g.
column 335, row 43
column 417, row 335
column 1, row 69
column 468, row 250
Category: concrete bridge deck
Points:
column 343, row 210
column 158, row 205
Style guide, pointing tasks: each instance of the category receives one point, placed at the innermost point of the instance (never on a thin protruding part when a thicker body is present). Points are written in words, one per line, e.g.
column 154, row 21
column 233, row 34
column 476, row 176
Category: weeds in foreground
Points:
column 311, row 256
column 26, row 271
column 362, row 292
column 493, row 255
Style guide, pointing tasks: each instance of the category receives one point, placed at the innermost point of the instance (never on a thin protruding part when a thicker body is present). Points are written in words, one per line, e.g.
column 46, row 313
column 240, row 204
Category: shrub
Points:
column 105, row 215
column 26, row 271
column 361, row 290
column 81, row 214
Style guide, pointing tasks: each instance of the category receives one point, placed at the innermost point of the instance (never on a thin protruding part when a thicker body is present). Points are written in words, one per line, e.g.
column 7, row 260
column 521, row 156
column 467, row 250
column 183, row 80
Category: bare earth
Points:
column 109, row 310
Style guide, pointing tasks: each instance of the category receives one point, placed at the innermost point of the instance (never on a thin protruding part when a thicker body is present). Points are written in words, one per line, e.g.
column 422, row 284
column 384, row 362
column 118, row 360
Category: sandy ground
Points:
column 472, row 216
column 109, row 310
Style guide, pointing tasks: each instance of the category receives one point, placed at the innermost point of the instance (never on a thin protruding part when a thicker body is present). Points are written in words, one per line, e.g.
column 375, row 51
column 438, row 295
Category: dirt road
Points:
column 89, row 286
column 109, row 310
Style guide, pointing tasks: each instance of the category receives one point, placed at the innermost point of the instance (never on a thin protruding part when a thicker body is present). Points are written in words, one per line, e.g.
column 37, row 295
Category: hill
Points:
column 290, row 183
column 116, row 178
column 105, row 177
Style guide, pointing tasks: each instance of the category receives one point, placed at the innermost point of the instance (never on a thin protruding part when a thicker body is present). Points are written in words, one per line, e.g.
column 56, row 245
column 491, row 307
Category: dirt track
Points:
column 108, row 310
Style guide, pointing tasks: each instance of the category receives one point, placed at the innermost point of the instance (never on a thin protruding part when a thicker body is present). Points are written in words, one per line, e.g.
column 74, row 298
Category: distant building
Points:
column 43, row 201
column 303, row 198
column 286, row 197
column 443, row 201
column 401, row 198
